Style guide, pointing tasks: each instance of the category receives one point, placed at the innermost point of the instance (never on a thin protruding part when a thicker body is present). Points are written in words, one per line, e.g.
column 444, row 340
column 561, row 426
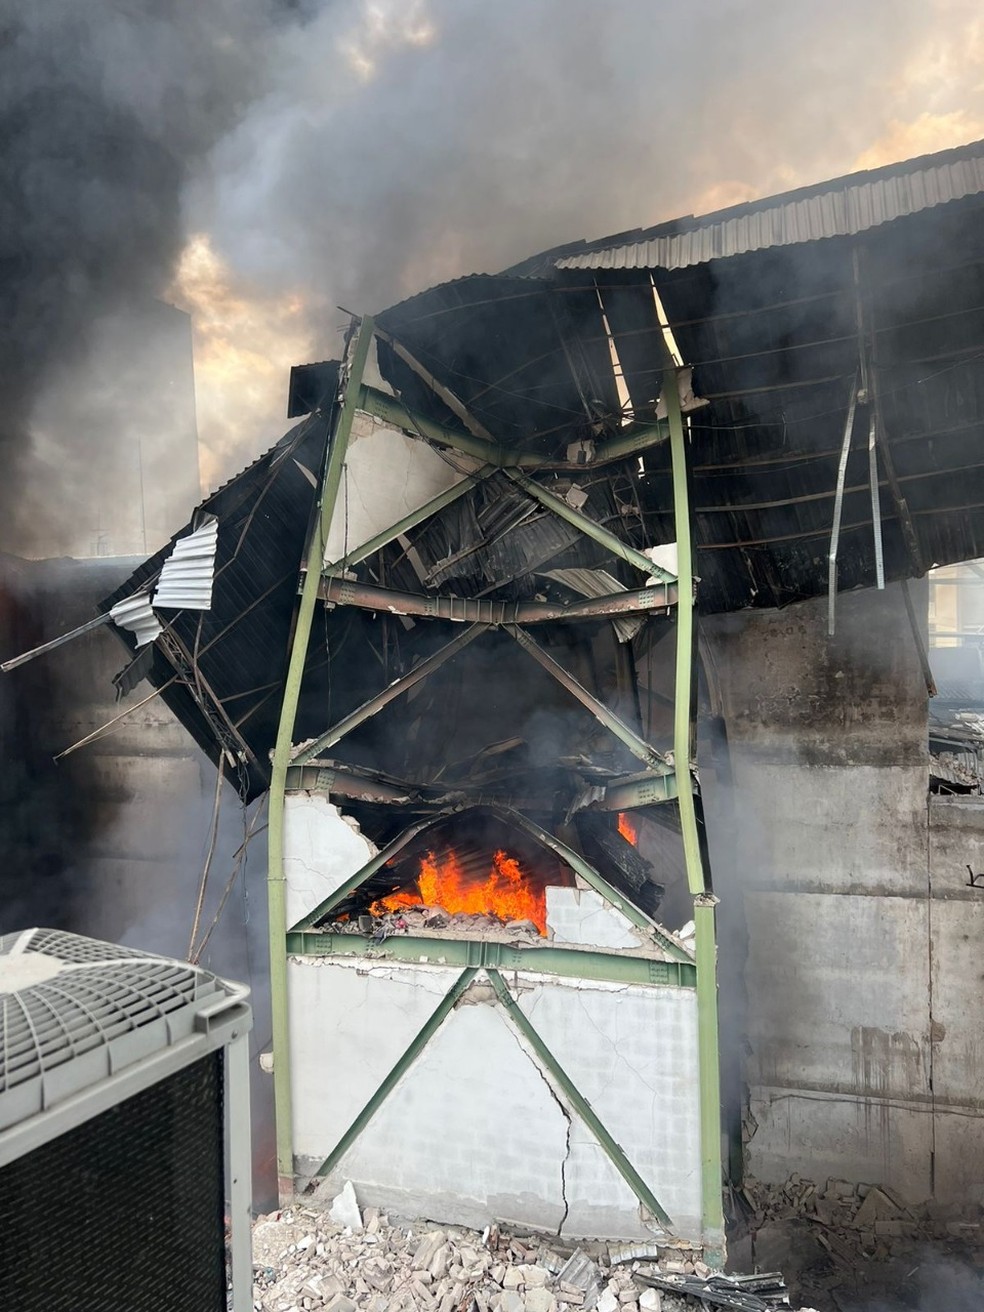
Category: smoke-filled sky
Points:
column 261, row 162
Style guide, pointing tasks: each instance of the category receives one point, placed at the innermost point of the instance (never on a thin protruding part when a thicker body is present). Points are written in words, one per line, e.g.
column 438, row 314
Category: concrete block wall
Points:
column 475, row 1130
column 846, row 926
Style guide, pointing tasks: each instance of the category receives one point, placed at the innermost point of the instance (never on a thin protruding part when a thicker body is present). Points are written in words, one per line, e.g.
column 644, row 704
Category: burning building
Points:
column 493, row 956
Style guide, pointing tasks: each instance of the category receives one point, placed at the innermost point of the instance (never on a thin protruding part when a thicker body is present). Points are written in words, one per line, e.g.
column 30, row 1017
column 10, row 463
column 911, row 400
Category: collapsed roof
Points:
column 835, row 342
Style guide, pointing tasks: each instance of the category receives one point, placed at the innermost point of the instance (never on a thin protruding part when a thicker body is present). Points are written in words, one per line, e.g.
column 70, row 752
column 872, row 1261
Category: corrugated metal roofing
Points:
column 187, row 574
column 221, row 669
column 843, row 208
column 137, row 616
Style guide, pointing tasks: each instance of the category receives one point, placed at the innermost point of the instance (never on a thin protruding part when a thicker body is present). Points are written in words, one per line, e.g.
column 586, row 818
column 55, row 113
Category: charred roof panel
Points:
column 238, row 649
column 529, row 360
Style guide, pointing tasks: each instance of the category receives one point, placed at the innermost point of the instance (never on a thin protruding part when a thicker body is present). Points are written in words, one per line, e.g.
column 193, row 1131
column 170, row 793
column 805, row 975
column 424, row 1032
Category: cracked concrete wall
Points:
column 843, row 922
column 582, row 916
column 322, row 848
column 474, row 1130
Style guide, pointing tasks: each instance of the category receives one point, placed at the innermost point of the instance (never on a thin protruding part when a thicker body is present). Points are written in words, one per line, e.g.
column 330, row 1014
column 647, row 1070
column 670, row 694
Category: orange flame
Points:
column 505, row 893
column 628, row 828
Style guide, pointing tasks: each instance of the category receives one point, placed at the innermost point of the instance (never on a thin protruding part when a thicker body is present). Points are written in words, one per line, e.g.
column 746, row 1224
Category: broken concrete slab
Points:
column 344, row 1209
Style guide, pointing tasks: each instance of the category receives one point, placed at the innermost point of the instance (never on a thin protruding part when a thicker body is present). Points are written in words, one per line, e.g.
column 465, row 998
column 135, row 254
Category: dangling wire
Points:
column 213, row 834
column 250, row 832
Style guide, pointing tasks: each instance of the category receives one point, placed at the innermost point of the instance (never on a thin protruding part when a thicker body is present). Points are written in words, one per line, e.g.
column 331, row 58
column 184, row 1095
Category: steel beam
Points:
column 578, row 1102
column 876, row 518
column 630, row 444
column 349, row 781
column 638, row 790
column 566, row 962
column 484, row 610
column 588, row 526
column 393, row 412
column 276, row 887
column 396, row 1073
column 655, row 762
column 453, row 402
column 418, row 516
column 838, row 506
column 396, row 689
column 705, row 946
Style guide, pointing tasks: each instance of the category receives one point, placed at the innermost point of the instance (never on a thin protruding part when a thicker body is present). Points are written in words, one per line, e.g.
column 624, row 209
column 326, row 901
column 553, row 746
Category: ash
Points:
column 348, row 1260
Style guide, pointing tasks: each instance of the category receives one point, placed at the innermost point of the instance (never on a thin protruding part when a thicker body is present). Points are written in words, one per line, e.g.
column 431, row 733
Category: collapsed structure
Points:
column 491, row 917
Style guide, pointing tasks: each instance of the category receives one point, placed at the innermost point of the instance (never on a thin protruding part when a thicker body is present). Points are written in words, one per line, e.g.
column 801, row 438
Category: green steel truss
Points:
column 658, row 782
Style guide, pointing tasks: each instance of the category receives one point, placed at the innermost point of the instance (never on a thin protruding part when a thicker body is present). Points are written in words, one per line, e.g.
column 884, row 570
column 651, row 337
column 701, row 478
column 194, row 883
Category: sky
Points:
column 261, row 163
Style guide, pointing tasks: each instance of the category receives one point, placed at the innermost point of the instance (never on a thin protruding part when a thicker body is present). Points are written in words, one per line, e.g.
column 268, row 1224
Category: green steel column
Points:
column 276, row 890
column 706, row 947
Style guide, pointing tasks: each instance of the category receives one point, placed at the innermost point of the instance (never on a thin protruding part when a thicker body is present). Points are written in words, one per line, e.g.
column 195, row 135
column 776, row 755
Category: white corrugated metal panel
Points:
column 187, row 574
column 848, row 208
column 135, row 614
column 598, row 583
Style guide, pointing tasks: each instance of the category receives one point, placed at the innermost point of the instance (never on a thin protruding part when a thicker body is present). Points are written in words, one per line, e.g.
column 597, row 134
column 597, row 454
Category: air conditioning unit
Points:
column 124, row 1131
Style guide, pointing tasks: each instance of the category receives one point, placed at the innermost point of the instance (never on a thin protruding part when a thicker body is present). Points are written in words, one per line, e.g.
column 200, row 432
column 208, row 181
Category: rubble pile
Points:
column 860, row 1221
column 351, row 1261
column 837, row 1240
column 422, row 920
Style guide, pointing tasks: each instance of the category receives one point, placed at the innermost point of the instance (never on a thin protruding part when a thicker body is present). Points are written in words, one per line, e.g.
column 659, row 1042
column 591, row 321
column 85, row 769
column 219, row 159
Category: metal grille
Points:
column 124, row 1213
column 103, row 991
column 73, row 947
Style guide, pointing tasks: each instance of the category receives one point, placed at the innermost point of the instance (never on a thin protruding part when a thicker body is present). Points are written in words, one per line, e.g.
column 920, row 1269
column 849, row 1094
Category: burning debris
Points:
column 507, row 894
column 304, row 1259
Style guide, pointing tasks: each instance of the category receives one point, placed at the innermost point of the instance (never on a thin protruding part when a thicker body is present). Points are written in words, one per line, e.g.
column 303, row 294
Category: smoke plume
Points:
column 351, row 152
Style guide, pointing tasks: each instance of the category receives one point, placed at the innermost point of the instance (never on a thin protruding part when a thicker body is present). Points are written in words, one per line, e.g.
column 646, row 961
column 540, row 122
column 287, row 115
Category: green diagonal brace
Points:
column 396, row 689
column 639, row 748
column 577, row 1100
column 395, row 413
column 594, row 880
column 362, row 874
column 392, row 1079
column 588, row 526
column 415, row 517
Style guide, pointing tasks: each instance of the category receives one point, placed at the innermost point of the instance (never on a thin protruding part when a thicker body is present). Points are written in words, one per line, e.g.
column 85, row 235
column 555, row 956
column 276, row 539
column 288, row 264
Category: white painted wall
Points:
column 474, row 1131
column 582, row 916
column 386, row 476
column 322, row 848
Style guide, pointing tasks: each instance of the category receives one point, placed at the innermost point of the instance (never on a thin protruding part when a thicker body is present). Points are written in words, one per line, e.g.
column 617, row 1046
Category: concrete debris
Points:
column 422, row 921
column 307, row 1260
column 838, row 1241
column 344, row 1209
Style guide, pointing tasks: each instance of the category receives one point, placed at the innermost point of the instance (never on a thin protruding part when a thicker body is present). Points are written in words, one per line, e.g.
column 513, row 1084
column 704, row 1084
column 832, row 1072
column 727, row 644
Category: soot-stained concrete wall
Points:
column 847, row 929
column 111, row 842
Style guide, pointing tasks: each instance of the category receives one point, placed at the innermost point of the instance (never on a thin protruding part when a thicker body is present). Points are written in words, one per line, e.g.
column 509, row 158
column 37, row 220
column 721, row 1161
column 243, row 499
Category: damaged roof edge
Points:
column 842, row 207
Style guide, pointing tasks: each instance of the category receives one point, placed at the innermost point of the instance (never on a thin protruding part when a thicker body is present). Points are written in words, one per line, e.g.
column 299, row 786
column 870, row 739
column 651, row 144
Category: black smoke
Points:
column 106, row 111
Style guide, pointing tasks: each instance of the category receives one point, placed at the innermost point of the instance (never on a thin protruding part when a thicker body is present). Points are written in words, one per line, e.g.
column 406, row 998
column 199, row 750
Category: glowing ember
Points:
column 628, row 828
column 505, row 892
